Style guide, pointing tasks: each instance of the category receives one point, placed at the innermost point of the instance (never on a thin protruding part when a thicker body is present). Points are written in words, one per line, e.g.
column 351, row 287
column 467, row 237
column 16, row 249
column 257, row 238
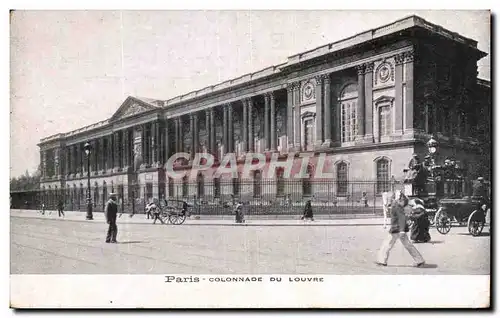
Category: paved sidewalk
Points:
column 225, row 220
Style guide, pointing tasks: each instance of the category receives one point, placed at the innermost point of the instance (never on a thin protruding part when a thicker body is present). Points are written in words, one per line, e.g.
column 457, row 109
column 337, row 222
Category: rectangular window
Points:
column 348, row 121
column 385, row 123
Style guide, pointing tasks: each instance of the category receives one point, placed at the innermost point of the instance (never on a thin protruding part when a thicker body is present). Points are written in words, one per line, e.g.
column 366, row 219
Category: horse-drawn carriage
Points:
column 443, row 194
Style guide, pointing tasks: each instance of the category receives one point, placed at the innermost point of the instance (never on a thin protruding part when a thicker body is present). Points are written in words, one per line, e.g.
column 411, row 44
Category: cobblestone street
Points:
column 63, row 246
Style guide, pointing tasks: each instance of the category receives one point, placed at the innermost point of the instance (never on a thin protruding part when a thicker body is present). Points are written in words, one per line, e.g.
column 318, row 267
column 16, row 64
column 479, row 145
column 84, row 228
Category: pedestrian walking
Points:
column 42, row 208
column 238, row 213
column 60, row 208
column 308, row 212
column 155, row 209
column 110, row 214
column 398, row 231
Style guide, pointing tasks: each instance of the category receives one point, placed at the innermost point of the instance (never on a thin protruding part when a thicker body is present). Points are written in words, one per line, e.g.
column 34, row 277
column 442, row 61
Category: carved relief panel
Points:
column 307, row 92
column 384, row 73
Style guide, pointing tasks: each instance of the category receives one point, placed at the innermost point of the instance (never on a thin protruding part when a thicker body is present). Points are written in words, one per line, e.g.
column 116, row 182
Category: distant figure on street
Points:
column 110, row 214
column 149, row 208
column 364, row 200
column 308, row 212
column 155, row 211
column 398, row 231
column 60, row 208
column 238, row 211
column 42, row 208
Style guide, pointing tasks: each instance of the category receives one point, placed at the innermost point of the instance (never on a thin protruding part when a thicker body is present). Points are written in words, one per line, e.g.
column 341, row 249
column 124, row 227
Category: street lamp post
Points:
column 87, row 149
column 432, row 145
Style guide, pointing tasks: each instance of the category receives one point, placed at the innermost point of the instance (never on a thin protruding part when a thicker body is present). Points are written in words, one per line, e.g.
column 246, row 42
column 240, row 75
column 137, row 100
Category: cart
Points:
column 173, row 211
column 444, row 200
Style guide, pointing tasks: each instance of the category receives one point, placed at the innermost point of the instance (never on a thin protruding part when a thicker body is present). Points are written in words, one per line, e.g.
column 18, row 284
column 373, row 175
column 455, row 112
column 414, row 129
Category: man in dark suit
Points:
column 110, row 213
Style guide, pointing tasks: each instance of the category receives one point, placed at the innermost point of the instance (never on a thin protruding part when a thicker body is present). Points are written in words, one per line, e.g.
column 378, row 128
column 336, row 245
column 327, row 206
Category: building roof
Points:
column 360, row 38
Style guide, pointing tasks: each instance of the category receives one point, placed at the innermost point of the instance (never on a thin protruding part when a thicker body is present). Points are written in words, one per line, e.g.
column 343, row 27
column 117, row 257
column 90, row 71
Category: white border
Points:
column 336, row 291
column 449, row 285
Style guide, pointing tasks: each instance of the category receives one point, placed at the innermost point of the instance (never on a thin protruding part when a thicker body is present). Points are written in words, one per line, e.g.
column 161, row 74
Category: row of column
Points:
column 228, row 127
column 111, row 152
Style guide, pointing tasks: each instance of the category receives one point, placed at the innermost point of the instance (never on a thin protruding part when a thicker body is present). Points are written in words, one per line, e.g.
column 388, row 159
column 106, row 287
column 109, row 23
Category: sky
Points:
column 69, row 69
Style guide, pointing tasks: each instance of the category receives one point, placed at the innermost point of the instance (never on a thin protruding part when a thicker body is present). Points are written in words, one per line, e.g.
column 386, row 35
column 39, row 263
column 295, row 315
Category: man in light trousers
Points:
column 398, row 231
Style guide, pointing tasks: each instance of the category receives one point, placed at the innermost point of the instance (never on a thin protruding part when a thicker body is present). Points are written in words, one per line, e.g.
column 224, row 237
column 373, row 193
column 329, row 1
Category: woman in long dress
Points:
column 419, row 232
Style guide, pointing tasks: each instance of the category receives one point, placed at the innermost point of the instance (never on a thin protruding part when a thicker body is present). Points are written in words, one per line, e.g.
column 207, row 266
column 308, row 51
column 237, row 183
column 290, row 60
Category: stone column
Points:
column 191, row 131
column 126, row 150
column 208, row 128
column 212, row 132
column 67, row 160
column 319, row 111
column 297, row 117
column 161, row 142
column 93, row 155
column 79, row 166
column 103, row 154
column 180, row 134
column 196, row 134
column 230, row 128
column 398, row 103
column 272, row 137
column 250, row 125
column 176, row 133
column 144, row 148
column 156, row 144
column 369, row 103
column 408, row 93
column 116, row 150
column 109, row 159
column 44, row 164
column 360, row 116
column 327, row 106
column 266, row 122
column 225, row 124
column 166, row 141
column 289, row 115
column 245, row 125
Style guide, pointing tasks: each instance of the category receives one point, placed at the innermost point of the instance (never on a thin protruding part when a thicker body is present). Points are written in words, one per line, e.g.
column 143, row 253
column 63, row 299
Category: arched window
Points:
column 348, row 115
column 216, row 187
column 342, row 182
column 185, row 190
column 306, row 182
column 170, row 187
column 257, row 183
column 200, row 182
column 280, row 182
column 383, row 173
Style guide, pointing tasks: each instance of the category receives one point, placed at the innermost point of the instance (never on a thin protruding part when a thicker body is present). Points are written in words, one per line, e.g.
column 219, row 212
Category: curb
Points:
column 206, row 224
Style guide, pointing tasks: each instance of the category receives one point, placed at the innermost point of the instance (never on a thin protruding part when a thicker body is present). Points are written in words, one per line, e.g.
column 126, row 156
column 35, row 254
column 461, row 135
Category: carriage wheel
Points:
column 443, row 223
column 475, row 224
column 177, row 219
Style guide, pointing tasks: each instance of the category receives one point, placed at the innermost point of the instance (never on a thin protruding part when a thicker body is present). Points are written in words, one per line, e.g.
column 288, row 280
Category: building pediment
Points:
column 132, row 106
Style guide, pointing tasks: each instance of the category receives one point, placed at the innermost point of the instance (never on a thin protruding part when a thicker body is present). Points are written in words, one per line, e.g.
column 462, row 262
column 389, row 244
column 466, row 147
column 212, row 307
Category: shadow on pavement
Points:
column 131, row 242
column 482, row 234
column 423, row 266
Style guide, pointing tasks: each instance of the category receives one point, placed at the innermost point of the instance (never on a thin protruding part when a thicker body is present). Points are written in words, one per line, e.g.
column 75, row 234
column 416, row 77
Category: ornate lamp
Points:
column 87, row 148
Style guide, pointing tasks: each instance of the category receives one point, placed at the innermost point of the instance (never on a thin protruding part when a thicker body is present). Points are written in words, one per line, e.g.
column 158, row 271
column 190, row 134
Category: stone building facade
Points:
column 367, row 103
